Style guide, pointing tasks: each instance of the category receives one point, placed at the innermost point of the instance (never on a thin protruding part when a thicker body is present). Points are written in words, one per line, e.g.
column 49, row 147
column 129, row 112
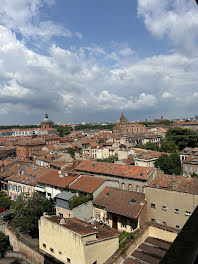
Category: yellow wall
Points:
column 101, row 251
column 65, row 212
column 72, row 245
column 172, row 200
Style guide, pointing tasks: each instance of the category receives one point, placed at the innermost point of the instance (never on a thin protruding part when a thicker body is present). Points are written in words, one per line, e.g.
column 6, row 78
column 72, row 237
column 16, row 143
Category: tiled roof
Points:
column 53, row 178
column 175, row 183
column 87, row 184
column 191, row 160
column 29, row 174
column 119, row 201
column 82, row 228
column 113, row 169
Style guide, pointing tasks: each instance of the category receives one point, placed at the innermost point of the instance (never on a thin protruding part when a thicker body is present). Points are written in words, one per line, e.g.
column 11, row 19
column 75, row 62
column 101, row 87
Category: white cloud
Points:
column 178, row 20
column 23, row 16
column 126, row 52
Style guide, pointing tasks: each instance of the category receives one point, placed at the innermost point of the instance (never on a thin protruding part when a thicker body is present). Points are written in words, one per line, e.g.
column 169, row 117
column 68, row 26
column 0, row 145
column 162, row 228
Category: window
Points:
column 152, row 220
column 44, row 245
column 130, row 187
column 95, row 262
column 123, row 222
column 152, row 205
column 60, row 252
column 98, row 215
column 138, row 188
column 123, row 187
column 51, row 249
column 177, row 226
column 68, row 260
column 143, row 189
column 164, row 223
column 61, row 215
column 177, row 211
column 187, row 213
column 164, row 208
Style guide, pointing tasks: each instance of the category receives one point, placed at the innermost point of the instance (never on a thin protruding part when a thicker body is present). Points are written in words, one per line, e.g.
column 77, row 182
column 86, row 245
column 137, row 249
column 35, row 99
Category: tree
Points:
column 169, row 164
column 71, row 151
column 194, row 175
column 4, row 244
column 168, row 146
column 78, row 200
column 182, row 137
column 149, row 146
column 4, row 200
column 111, row 159
column 28, row 209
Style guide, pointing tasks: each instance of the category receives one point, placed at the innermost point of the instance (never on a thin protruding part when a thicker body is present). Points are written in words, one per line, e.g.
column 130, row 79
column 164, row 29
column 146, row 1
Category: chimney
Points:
column 62, row 221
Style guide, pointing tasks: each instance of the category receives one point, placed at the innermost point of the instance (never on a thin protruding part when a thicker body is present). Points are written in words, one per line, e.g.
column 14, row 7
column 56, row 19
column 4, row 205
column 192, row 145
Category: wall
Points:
column 172, row 200
column 105, row 184
column 95, row 252
column 67, row 213
column 84, row 211
column 66, row 244
column 33, row 255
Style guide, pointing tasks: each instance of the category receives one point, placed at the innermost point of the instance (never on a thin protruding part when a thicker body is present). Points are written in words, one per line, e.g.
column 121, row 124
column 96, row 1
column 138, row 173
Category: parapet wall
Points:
column 32, row 254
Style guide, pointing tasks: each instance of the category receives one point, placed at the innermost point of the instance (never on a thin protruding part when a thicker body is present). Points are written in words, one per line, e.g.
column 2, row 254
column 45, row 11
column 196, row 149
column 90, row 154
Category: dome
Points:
column 46, row 119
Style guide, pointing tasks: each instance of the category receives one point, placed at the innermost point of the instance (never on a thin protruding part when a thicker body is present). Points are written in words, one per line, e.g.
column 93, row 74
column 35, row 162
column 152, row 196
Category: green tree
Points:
column 78, row 200
column 149, row 146
column 168, row 146
column 28, row 209
column 4, row 244
column 111, row 159
column 4, row 200
column 182, row 137
column 71, row 151
column 169, row 164
column 194, row 175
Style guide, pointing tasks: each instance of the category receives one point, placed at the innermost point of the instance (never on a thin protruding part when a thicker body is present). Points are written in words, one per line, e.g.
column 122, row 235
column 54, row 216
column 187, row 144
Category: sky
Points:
column 91, row 61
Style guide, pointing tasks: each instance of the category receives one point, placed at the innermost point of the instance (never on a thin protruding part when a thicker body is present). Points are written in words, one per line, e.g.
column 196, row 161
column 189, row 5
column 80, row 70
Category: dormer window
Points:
column 133, row 200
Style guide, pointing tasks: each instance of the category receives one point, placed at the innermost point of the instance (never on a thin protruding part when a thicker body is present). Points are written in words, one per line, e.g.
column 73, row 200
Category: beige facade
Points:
column 74, row 247
column 190, row 167
column 145, row 163
column 171, row 208
column 119, row 222
column 16, row 188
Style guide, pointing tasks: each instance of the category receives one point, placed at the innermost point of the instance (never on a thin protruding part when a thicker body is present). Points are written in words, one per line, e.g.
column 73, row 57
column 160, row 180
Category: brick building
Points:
column 124, row 128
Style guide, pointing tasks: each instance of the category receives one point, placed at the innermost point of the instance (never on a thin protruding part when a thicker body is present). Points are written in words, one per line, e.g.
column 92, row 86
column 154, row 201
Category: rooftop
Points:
column 65, row 196
column 129, row 171
column 54, row 178
column 175, row 183
column 87, row 184
column 82, row 228
column 121, row 202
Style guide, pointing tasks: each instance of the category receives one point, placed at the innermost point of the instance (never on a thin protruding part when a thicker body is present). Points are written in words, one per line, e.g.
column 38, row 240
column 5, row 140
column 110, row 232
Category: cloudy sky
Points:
column 92, row 60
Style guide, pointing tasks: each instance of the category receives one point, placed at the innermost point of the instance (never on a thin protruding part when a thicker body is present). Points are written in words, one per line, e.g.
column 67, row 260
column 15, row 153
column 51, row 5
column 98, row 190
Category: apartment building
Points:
column 190, row 165
column 120, row 209
column 70, row 240
column 130, row 177
column 171, row 199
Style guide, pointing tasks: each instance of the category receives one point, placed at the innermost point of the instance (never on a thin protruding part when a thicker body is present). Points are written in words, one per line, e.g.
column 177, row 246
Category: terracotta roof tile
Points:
column 119, row 201
column 53, row 178
column 87, row 184
column 83, row 228
column 175, row 183
column 113, row 169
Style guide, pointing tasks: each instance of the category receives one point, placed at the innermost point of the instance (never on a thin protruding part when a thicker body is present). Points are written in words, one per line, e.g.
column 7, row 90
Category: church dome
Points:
column 46, row 119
